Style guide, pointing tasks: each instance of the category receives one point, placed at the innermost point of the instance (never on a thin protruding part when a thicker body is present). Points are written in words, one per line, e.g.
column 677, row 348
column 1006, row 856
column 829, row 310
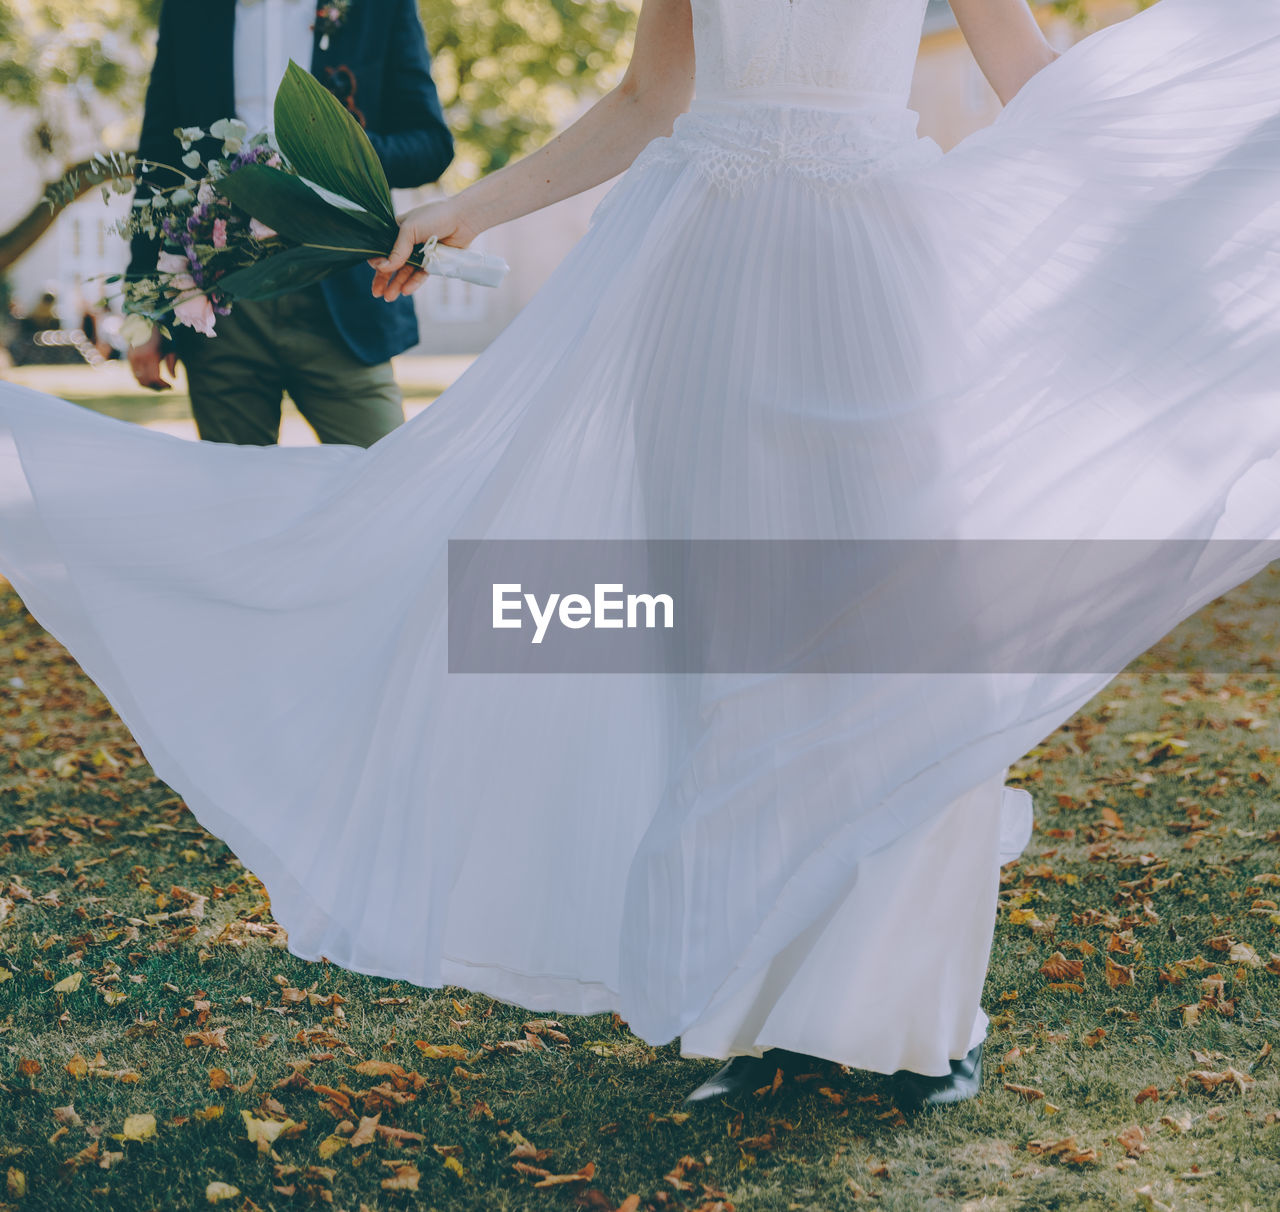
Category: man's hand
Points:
column 145, row 361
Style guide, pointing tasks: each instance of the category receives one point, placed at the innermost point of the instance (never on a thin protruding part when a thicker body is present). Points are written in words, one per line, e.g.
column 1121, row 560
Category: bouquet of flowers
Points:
column 267, row 218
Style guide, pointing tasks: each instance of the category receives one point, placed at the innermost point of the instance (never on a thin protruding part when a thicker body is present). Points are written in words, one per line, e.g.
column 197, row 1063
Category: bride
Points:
column 790, row 320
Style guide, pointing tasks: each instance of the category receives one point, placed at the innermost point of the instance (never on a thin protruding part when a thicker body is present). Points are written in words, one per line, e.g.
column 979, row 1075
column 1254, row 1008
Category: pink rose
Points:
column 172, row 263
column 219, row 233
column 196, row 312
column 176, row 272
column 260, row 231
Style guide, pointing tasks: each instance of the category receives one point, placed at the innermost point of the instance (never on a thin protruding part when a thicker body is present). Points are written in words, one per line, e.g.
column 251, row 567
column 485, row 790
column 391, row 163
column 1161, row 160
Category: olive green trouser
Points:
column 287, row 344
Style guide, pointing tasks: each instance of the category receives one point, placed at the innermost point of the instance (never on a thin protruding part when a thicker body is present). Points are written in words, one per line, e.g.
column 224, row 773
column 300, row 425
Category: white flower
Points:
column 232, row 132
column 188, row 135
column 205, row 194
column 182, row 197
column 192, row 159
column 136, row 330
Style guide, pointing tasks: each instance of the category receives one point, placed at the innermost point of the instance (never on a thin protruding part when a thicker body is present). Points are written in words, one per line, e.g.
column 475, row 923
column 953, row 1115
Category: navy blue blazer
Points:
column 376, row 63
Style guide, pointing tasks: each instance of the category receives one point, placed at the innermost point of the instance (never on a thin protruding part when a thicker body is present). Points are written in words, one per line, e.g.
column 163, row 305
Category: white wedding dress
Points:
column 790, row 319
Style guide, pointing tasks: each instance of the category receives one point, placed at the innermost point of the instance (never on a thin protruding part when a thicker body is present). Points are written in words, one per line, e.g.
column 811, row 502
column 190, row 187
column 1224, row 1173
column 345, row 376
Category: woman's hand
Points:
column 445, row 219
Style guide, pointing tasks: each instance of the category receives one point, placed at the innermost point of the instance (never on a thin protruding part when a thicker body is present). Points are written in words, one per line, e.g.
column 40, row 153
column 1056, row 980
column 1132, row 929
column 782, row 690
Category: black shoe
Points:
column 916, row 1091
column 742, row 1075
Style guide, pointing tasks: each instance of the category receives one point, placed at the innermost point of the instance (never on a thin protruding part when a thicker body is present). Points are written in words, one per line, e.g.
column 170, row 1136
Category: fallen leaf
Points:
column 1030, row 1093
column 139, row 1127
column 1118, row 974
column 216, row 1038
column 580, row 1176
column 263, row 1132
column 364, row 1134
column 1133, row 1140
column 441, row 1051
column 404, row 1176
column 330, row 1145
column 217, row 1193
column 1058, row 968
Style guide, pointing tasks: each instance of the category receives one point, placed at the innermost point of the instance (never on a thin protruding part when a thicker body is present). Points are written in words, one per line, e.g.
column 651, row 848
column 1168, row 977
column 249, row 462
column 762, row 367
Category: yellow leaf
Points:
column 215, row 1193
column 453, row 1164
column 77, row 1066
column 113, row 997
column 263, row 1132
column 69, row 984
column 330, row 1145
column 139, row 1127
column 441, row 1051
column 208, row 1113
column 16, row 1183
column 5, row 975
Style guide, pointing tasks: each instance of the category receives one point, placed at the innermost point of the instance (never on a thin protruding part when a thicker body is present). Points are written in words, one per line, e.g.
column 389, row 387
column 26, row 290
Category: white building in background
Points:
column 80, row 249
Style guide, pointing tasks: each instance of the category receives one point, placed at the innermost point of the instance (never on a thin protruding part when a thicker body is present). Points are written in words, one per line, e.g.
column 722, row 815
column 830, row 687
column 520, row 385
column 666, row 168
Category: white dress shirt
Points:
column 268, row 33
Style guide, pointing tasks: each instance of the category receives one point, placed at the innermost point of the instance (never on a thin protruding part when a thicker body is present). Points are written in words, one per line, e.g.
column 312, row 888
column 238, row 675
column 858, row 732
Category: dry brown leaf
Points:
column 1118, row 974
column 580, row 1176
column 1030, row 1093
column 215, row 1038
column 1133, row 1140
column 364, row 1134
column 1058, row 968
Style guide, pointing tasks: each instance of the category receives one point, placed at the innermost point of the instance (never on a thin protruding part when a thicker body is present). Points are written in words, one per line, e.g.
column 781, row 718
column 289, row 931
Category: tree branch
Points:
column 23, row 234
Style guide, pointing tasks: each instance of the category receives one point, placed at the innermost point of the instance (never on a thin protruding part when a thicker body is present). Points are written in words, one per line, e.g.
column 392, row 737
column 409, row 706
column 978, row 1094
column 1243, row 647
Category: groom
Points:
column 328, row 346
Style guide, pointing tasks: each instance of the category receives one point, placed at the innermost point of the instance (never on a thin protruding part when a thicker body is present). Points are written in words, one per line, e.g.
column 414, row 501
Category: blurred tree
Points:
column 509, row 73
column 62, row 58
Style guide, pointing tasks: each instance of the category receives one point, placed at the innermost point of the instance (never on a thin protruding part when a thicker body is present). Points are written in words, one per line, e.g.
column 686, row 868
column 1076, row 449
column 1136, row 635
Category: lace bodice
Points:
column 813, row 89
column 857, row 45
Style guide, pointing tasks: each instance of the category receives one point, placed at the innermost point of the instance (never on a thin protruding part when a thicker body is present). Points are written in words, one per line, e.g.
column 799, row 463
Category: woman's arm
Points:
column 657, row 86
column 1005, row 40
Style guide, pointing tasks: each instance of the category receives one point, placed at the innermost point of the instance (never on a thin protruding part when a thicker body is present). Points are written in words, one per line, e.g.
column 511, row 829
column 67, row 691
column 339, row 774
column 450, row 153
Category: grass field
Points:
column 110, row 389
column 156, row 1038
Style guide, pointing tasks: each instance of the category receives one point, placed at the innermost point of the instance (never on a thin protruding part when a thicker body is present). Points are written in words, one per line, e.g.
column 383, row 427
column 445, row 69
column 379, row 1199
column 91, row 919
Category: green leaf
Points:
column 290, row 206
column 282, row 272
column 326, row 144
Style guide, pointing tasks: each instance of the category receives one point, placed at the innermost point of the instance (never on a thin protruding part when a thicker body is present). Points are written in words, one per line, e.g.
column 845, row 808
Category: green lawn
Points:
column 151, row 1022
column 110, row 388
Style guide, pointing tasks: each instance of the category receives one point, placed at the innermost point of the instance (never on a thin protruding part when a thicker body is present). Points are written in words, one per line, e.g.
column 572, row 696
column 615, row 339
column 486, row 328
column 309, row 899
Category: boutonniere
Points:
column 329, row 18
